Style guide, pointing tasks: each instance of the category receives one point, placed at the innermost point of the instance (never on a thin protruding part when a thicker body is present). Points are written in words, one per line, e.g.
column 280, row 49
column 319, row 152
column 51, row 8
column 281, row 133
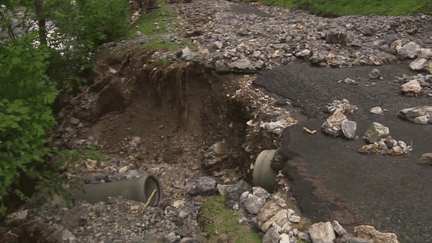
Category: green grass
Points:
column 356, row 7
column 160, row 21
column 165, row 16
column 217, row 220
column 158, row 44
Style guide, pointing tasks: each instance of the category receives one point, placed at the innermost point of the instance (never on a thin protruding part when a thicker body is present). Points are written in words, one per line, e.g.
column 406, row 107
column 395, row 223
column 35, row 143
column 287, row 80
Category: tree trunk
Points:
column 41, row 21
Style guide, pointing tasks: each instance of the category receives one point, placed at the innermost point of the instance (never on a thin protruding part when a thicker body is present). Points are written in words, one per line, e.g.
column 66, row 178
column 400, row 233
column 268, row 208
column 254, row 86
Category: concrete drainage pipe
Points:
column 137, row 189
column 263, row 175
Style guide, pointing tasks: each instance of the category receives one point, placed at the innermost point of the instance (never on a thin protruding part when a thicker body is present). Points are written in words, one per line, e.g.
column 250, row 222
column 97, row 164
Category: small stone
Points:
column 376, row 132
column 90, row 164
column 68, row 236
column 284, row 238
column 336, row 36
column 418, row 64
column 124, row 169
column 272, row 235
column 74, row 121
column 179, row 203
column 422, row 120
column 374, row 74
column 349, row 128
column 241, row 64
column 294, row 219
column 322, row 232
column 412, row 86
column 303, row 54
column 340, row 231
column 425, row 159
column 217, row 44
column 424, row 53
column 409, row 50
column 376, row 110
column 369, row 233
column 397, row 151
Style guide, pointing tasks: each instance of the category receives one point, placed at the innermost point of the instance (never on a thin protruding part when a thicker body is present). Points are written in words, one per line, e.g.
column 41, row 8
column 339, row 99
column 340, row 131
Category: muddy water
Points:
column 391, row 193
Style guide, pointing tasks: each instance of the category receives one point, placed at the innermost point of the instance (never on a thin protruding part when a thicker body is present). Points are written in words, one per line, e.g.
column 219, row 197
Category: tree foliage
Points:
column 31, row 78
column 24, row 117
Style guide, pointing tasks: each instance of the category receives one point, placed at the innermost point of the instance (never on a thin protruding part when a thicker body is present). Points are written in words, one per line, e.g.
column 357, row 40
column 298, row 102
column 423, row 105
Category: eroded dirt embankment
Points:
column 173, row 112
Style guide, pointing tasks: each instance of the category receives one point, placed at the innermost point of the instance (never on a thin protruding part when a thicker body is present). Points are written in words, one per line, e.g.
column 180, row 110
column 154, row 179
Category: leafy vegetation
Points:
column 24, row 117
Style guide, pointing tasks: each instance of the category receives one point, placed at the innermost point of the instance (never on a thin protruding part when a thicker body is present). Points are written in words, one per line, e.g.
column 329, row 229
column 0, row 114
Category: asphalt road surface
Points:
column 329, row 178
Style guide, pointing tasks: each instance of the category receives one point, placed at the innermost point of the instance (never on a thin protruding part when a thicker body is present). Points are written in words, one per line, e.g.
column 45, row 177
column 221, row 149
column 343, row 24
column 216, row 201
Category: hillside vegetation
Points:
column 334, row 8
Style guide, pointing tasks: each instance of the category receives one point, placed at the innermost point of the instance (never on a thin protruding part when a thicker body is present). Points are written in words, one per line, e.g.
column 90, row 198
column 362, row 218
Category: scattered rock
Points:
column 272, row 235
column 374, row 74
column 232, row 197
column 336, row 36
column 420, row 115
column 333, row 124
column 322, row 233
column 74, row 121
column 376, row 132
column 425, row 159
column 205, row 185
column 241, row 64
column 376, row 110
column 369, row 233
column 418, row 64
column 349, row 128
column 411, row 88
column 409, row 50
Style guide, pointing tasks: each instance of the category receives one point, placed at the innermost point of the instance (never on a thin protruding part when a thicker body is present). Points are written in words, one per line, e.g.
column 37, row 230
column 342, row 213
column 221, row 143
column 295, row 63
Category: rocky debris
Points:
column 232, row 197
column 265, row 34
column 425, row 159
column 348, row 129
column 333, row 125
column 253, row 202
column 205, row 185
column 276, row 127
column 418, row 64
column 412, row 88
column 416, row 85
column 272, row 235
column 376, row 132
column 215, row 154
column 381, row 143
column 369, row 233
column 322, row 233
column 375, row 74
column 409, row 50
column 419, row 115
column 90, row 222
column 342, row 104
column 376, row 110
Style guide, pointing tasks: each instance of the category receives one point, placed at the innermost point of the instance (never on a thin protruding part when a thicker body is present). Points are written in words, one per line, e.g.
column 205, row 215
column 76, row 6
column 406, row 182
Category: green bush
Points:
column 90, row 23
column 24, row 118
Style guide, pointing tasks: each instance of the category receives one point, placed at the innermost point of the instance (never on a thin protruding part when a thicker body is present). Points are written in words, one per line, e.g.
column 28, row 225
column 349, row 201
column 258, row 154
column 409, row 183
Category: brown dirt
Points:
column 171, row 114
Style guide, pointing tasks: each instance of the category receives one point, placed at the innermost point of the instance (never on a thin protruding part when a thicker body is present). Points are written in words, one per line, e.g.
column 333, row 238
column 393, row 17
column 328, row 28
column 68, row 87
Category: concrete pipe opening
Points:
column 263, row 175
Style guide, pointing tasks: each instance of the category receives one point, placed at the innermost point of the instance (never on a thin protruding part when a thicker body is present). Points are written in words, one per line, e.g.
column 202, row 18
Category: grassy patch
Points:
column 360, row 7
column 162, row 20
column 282, row 3
column 221, row 223
column 158, row 44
